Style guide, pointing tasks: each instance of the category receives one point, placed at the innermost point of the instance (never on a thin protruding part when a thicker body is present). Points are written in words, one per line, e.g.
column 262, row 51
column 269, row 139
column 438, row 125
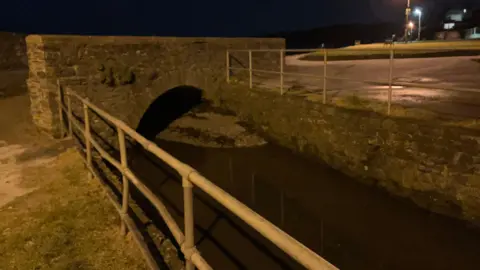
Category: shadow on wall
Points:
column 168, row 107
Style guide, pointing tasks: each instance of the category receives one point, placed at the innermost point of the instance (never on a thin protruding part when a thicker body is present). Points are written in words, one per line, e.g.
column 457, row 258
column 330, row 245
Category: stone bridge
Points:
column 124, row 75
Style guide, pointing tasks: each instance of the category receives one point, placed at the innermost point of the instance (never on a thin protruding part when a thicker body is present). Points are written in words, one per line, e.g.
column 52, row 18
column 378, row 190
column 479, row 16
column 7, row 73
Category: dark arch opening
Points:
column 168, row 107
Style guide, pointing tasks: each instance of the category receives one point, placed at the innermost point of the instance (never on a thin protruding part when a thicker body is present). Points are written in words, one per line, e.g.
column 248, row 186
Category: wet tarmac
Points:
column 451, row 72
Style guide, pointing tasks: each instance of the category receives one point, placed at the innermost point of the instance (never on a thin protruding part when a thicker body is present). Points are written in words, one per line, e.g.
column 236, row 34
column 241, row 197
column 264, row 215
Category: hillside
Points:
column 339, row 35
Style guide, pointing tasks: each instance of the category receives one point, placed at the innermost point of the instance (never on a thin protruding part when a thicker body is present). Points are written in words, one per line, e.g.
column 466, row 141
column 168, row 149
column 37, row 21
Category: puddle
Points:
column 418, row 80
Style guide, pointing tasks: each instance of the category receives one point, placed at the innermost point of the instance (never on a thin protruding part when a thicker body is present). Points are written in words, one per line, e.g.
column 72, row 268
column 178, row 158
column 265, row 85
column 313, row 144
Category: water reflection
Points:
column 351, row 225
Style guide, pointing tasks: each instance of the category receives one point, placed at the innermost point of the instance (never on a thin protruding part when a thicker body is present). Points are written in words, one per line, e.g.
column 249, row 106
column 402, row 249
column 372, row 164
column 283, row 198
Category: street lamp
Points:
column 419, row 13
column 407, row 18
column 410, row 26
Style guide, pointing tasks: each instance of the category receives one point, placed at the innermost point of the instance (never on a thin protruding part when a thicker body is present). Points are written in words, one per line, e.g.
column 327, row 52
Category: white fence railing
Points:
column 190, row 178
column 389, row 52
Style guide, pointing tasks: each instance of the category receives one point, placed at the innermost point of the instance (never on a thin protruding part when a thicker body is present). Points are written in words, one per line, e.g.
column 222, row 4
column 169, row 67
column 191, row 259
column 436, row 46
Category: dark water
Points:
column 351, row 225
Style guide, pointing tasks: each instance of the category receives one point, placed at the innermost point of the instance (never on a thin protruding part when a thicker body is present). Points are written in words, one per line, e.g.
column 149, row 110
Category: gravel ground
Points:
column 211, row 129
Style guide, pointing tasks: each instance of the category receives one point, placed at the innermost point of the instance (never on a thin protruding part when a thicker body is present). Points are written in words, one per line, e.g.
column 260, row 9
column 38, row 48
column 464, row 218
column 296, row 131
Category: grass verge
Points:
column 422, row 49
column 66, row 223
column 369, row 54
column 357, row 103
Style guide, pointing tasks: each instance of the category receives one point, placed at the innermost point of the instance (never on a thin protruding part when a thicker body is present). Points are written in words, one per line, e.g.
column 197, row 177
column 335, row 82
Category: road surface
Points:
column 459, row 72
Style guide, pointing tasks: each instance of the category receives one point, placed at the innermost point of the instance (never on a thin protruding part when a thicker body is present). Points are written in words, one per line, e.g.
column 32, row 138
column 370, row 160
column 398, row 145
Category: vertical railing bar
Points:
column 282, row 209
column 230, row 173
column 69, row 104
column 189, row 222
column 60, row 110
column 88, row 143
column 390, row 78
column 228, row 66
column 325, row 62
column 253, row 188
column 123, row 161
column 281, row 70
column 250, row 68
column 321, row 237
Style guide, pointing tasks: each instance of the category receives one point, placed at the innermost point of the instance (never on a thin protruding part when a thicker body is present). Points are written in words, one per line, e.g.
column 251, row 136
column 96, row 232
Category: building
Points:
column 460, row 24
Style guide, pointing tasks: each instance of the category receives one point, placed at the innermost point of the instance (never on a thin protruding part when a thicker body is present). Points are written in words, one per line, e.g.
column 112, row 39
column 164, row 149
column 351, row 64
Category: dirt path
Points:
column 17, row 160
column 50, row 216
column 18, row 137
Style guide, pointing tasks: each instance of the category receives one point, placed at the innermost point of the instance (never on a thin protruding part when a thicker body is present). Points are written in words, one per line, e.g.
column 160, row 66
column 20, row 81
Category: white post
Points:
column 282, row 209
column 188, row 218
column 250, row 68
column 419, row 25
column 88, row 137
column 282, row 55
column 253, row 189
column 390, row 78
column 70, row 116
column 126, row 188
column 325, row 60
column 228, row 66
column 60, row 109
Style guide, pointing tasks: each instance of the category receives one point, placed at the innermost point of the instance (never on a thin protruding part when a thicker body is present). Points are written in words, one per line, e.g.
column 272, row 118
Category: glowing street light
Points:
column 409, row 28
column 407, row 18
column 419, row 13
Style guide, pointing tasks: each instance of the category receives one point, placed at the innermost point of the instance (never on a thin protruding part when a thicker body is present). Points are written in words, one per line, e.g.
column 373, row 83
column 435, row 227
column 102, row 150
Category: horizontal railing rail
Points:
column 351, row 49
column 190, row 178
column 389, row 52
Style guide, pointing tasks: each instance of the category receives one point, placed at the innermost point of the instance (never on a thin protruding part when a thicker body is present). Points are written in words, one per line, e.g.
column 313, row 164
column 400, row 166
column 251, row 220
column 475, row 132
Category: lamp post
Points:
column 419, row 13
column 407, row 19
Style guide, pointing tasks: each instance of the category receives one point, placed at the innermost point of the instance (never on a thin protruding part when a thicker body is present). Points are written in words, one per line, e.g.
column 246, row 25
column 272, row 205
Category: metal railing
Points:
column 190, row 178
column 387, row 52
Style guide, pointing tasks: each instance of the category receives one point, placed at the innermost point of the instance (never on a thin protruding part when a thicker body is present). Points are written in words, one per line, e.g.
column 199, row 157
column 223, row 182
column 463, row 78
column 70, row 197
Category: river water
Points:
column 352, row 225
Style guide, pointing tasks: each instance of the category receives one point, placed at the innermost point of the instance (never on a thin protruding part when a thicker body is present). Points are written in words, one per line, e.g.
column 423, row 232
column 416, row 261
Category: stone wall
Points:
column 435, row 165
column 123, row 75
column 12, row 51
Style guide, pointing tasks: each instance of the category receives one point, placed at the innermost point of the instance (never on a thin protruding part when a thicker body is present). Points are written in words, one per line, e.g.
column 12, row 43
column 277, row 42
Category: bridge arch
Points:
column 168, row 107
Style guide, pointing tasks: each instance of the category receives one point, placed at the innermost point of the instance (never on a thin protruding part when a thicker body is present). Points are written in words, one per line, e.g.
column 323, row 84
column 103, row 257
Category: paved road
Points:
column 443, row 72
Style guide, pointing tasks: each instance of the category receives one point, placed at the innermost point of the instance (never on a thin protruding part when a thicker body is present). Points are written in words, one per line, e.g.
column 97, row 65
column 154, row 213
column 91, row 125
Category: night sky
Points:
column 198, row 18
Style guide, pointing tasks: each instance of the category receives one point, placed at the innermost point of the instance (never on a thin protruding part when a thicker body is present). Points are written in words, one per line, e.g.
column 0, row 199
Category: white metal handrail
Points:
column 190, row 178
column 351, row 49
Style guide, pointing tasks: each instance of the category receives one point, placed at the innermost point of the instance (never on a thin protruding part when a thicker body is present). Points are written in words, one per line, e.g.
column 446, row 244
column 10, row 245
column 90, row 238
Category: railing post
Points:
column 88, row 143
column 189, row 223
column 325, row 62
column 253, row 189
column 69, row 104
column 60, row 110
column 321, row 237
column 390, row 78
column 282, row 209
column 281, row 70
column 250, row 68
column 228, row 66
column 125, row 194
